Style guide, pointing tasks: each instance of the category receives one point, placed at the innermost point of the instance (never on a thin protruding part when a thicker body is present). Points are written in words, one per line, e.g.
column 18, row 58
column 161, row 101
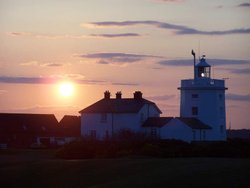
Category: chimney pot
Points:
column 107, row 94
column 119, row 95
column 137, row 95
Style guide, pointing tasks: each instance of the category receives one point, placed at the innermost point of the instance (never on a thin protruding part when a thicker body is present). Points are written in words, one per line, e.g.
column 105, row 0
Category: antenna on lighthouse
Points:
column 193, row 53
column 199, row 49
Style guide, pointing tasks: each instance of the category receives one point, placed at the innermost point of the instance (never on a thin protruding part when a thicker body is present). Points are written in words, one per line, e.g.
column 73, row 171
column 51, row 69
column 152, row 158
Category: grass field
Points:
column 34, row 168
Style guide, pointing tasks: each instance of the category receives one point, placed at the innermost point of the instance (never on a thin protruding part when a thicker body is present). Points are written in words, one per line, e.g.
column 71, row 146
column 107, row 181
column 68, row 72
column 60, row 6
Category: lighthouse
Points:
column 204, row 98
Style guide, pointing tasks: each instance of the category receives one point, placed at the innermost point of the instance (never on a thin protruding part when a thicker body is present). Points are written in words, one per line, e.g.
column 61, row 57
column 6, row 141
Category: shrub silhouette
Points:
column 127, row 143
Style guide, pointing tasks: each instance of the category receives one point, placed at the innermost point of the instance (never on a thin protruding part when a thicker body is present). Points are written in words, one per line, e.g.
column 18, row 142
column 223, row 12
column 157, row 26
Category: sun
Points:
column 66, row 89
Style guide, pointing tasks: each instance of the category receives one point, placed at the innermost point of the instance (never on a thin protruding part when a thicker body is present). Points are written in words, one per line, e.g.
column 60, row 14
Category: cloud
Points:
column 226, row 32
column 157, row 68
column 30, row 63
column 103, row 62
column 19, row 34
column 178, row 29
column 46, row 36
column 119, row 35
column 169, row 1
column 68, row 36
column 36, row 63
column 53, row 79
column 237, row 97
column 236, row 71
column 2, row 92
column 183, row 62
column 241, row 71
column 220, row 6
column 247, row 5
column 161, row 97
column 28, row 80
column 218, row 62
column 52, row 65
column 213, row 62
column 24, row 80
column 124, row 84
column 119, row 58
column 77, row 78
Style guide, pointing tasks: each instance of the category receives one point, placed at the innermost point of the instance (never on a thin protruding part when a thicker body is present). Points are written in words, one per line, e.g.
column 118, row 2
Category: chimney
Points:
column 137, row 95
column 107, row 95
column 118, row 95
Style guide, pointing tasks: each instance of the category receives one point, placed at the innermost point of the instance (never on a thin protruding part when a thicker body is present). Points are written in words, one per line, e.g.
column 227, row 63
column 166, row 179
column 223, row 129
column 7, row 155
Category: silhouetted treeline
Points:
column 129, row 144
column 240, row 133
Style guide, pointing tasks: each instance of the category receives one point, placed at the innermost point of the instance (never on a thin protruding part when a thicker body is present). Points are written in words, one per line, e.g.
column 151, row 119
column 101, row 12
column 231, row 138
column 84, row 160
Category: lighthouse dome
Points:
column 203, row 62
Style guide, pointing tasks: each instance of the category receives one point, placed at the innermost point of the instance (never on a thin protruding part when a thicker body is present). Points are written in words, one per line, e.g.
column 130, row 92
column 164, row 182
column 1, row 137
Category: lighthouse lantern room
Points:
column 203, row 69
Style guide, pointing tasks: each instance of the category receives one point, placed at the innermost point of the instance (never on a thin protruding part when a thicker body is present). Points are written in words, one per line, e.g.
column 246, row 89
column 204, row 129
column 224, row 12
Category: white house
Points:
column 204, row 99
column 186, row 129
column 110, row 115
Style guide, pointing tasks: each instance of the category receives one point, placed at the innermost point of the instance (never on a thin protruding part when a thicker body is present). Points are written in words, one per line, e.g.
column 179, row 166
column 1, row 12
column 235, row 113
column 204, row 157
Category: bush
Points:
column 113, row 148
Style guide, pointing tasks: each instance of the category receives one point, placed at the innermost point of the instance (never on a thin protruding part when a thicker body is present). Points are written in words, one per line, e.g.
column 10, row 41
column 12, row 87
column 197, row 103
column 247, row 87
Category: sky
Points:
column 118, row 45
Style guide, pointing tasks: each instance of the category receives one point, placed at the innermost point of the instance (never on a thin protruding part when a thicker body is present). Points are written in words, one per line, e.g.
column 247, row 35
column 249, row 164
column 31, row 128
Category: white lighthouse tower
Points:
column 204, row 98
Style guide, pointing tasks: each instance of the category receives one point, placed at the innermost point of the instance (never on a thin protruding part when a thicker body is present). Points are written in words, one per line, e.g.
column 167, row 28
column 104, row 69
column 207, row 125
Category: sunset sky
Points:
column 120, row 45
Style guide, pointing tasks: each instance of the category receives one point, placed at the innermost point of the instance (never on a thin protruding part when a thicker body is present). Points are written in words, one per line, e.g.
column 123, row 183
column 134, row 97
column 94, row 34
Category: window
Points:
column 195, row 96
column 204, row 72
column 220, row 96
column 104, row 118
column 153, row 132
column 221, row 111
column 194, row 110
column 204, row 135
column 221, row 129
column 107, row 134
column 93, row 134
column 142, row 117
column 194, row 135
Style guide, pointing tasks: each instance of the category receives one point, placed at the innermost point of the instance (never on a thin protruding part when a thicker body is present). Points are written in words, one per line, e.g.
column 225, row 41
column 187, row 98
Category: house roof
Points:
column 70, row 125
column 124, row 105
column 156, row 121
column 38, row 124
column 193, row 123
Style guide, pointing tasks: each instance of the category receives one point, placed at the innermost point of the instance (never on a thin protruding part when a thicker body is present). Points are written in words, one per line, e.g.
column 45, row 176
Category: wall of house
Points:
column 94, row 122
column 176, row 129
column 115, row 122
column 127, row 121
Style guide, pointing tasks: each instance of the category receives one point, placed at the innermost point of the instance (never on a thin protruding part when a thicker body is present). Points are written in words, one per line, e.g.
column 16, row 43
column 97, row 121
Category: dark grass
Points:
column 38, row 168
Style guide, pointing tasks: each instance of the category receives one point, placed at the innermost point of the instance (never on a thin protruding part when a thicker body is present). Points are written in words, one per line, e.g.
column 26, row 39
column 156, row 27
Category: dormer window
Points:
column 104, row 118
column 195, row 111
column 195, row 96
